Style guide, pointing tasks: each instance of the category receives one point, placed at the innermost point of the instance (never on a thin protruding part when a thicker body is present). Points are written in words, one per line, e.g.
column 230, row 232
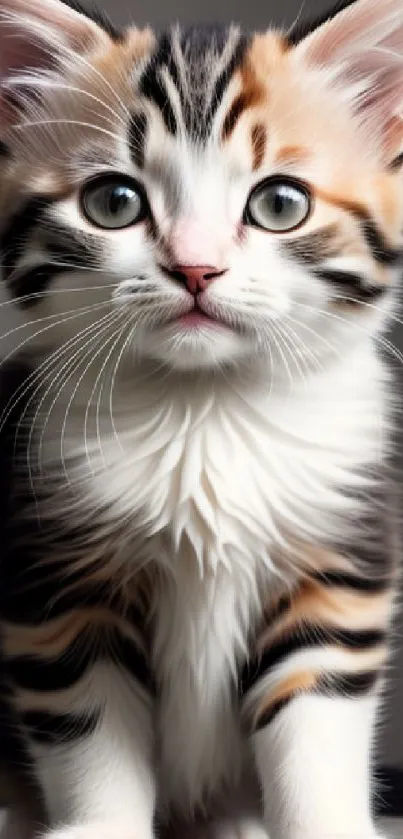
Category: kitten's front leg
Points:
column 84, row 699
column 312, row 699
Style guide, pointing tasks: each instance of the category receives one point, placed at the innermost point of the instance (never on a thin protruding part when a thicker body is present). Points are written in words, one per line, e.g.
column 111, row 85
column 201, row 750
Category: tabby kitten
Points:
column 201, row 236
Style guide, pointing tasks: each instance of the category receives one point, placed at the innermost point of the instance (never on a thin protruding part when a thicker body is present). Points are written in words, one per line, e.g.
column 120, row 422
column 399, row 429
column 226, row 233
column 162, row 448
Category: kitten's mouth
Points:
column 196, row 317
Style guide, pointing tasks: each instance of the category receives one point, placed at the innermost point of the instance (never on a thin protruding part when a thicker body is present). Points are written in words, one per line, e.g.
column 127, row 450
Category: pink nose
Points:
column 196, row 277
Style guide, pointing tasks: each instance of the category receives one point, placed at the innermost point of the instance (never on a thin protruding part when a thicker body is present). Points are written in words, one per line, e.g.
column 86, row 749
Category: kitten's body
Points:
column 197, row 578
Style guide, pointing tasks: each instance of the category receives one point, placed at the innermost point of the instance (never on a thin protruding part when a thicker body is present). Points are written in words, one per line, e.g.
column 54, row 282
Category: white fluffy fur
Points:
column 212, row 475
column 207, row 450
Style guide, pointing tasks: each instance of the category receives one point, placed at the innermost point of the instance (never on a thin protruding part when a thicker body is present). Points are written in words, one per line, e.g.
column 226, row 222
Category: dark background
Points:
column 261, row 14
column 253, row 14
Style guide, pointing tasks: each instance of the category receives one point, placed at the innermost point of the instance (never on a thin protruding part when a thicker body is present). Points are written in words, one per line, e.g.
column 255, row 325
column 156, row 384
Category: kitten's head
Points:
column 201, row 197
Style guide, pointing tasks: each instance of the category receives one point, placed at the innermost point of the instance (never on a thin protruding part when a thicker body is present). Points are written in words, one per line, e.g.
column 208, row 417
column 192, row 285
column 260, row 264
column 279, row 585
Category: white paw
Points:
column 307, row 834
column 237, row 828
column 94, row 830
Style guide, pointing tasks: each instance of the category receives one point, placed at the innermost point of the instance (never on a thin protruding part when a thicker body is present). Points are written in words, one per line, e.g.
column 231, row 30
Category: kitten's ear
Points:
column 37, row 35
column 361, row 47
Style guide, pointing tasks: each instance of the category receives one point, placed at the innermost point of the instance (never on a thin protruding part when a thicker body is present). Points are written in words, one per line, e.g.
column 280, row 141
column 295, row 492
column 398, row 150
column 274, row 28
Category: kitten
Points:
column 201, row 236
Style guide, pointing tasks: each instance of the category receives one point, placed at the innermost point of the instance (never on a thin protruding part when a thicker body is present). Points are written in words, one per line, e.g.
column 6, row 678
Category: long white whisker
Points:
column 115, row 340
column 293, row 349
column 275, row 337
column 71, row 314
column 36, row 82
column 53, row 381
column 112, row 385
column 46, row 122
column 308, row 352
column 93, row 356
column 99, row 328
column 315, row 335
column 20, row 392
column 388, row 345
column 41, row 294
column 94, row 70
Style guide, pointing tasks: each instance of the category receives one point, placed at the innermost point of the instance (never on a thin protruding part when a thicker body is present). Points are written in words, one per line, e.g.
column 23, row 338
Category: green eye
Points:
column 278, row 205
column 113, row 202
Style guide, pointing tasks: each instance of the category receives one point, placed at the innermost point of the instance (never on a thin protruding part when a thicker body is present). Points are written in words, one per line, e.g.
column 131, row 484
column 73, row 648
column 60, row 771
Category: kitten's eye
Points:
column 113, row 202
column 278, row 205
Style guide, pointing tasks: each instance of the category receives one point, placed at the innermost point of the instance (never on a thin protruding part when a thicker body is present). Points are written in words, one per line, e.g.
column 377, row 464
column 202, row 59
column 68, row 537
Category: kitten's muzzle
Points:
column 195, row 278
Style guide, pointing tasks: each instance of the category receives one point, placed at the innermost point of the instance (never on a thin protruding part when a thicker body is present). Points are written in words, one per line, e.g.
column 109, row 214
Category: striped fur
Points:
column 198, row 558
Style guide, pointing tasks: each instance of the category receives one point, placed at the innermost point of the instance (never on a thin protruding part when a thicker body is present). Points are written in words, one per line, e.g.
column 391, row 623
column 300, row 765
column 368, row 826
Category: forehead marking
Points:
column 200, row 61
column 259, row 142
column 137, row 138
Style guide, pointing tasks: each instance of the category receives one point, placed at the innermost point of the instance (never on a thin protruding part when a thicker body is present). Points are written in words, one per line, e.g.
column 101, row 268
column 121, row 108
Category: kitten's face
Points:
column 201, row 199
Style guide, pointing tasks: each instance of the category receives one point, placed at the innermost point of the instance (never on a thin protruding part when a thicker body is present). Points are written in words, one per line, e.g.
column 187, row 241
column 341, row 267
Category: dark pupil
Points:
column 280, row 203
column 119, row 198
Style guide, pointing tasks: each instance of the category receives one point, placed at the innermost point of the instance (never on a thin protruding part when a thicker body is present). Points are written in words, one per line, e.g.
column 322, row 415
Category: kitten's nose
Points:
column 196, row 277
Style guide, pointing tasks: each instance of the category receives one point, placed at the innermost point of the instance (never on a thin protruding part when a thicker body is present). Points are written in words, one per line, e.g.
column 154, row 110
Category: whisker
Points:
column 36, row 82
column 6, row 358
column 127, row 325
column 113, row 381
column 293, row 349
column 96, row 72
column 70, row 315
column 98, row 328
column 315, row 335
column 49, row 293
column 87, row 366
column 281, row 353
column 53, row 379
column 80, row 124
column 388, row 345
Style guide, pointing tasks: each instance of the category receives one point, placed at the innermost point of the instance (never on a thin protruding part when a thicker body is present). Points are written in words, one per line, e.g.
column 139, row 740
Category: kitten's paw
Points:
column 237, row 828
column 95, row 830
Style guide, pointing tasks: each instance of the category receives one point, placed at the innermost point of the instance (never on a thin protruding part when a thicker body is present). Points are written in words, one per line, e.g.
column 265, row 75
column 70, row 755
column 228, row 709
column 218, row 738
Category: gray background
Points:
column 254, row 14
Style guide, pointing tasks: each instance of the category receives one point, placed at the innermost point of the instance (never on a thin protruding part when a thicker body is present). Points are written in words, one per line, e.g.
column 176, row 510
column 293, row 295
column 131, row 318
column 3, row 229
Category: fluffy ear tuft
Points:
column 39, row 35
column 361, row 47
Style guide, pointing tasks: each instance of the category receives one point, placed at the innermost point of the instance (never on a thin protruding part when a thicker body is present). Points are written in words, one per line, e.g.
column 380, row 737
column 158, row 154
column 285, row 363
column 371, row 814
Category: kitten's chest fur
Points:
column 205, row 482
column 215, row 474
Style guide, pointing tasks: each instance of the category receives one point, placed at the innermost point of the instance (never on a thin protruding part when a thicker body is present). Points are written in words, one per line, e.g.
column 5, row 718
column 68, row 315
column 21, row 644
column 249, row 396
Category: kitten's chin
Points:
column 199, row 347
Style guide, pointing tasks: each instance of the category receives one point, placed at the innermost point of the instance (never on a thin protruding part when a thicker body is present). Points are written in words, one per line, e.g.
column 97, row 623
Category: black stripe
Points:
column 282, row 606
column 396, row 163
column 347, row 684
column 201, row 48
column 45, row 727
column 381, row 251
column 313, row 248
column 271, row 713
column 74, row 247
column 350, row 685
column 4, row 150
column 137, row 138
column 308, row 636
column 53, row 674
column 152, row 87
column 351, row 286
column 339, row 579
column 128, row 654
column 223, row 81
column 32, row 284
column 236, row 110
column 18, row 230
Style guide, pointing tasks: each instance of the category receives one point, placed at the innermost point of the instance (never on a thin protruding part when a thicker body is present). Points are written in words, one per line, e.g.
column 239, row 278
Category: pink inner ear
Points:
column 18, row 54
column 358, row 27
